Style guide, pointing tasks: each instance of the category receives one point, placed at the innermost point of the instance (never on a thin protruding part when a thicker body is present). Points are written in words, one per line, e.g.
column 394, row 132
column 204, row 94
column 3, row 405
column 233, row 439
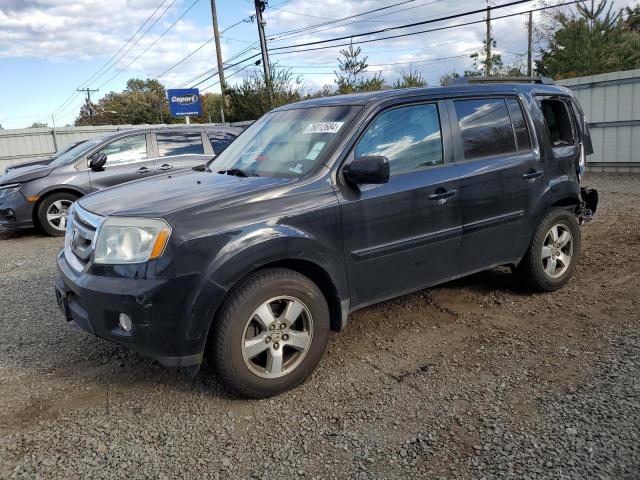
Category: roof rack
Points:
column 467, row 80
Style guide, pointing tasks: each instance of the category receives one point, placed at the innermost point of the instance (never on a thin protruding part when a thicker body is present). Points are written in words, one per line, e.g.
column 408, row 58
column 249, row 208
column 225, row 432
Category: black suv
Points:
column 321, row 208
column 40, row 195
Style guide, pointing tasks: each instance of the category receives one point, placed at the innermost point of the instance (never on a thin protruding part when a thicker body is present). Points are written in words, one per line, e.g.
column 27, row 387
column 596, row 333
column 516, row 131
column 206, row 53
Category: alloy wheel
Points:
column 557, row 250
column 57, row 214
column 277, row 337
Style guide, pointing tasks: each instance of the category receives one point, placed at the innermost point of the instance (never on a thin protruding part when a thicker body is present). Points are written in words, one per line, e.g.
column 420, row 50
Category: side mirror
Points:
column 369, row 169
column 97, row 161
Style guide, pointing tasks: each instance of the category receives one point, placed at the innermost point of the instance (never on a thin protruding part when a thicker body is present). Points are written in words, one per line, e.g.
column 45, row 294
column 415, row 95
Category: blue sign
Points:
column 184, row 101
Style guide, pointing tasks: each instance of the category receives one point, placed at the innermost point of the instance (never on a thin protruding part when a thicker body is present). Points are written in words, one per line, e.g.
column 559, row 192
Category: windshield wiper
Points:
column 238, row 172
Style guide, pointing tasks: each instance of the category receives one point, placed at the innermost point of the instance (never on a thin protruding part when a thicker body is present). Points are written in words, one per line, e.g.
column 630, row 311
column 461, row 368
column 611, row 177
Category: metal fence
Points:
column 611, row 102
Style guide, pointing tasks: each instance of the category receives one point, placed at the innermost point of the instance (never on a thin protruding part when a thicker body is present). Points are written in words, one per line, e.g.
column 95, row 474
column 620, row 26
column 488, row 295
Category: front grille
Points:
column 79, row 240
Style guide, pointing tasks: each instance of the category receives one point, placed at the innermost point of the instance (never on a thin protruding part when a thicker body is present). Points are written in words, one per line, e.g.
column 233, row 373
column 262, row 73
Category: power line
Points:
column 317, row 28
column 447, row 27
column 408, row 25
column 151, row 45
column 227, row 67
column 73, row 95
column 124, row 54
column 337, row 20
column 124, row 44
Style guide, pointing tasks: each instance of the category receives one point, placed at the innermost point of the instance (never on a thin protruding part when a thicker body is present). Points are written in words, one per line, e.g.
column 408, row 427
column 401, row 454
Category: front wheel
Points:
column 553, row 253
column 52, row 213
column 270, row 334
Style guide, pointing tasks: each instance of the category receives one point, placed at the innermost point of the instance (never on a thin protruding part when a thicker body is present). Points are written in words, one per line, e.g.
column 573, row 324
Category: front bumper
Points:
column 15, row 211
column 171, row 317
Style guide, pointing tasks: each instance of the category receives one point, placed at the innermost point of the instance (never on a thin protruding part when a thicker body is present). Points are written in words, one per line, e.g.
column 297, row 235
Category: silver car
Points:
column 40, row 195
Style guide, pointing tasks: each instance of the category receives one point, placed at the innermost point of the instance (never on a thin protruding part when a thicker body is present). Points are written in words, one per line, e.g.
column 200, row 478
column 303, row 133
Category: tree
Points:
column 142, row 101
column 38, row 125
column 410, row 79
column 631, row 20
column 592, row 39
column 250, row 99
column 351, row 67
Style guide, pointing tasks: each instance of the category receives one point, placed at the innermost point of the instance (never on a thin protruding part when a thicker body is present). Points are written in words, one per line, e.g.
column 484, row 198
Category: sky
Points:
column 50, row 48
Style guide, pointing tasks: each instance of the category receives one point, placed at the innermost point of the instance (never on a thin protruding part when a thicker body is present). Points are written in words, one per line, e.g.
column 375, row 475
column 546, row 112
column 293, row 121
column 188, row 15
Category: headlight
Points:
column 6, row 189
column 124, row 240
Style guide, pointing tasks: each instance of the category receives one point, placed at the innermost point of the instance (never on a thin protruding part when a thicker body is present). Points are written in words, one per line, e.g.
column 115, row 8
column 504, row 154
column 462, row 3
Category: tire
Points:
column 52, row 217
column 549, row 262
column 240, row 331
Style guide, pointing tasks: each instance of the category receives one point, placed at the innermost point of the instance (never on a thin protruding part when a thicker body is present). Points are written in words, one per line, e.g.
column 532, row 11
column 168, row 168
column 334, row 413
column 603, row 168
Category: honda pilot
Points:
column 321, row 208
column 40, row 195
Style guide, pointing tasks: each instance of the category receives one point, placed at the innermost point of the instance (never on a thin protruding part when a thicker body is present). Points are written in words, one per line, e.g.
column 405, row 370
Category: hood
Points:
column 43, row 161
column 162, row 195
column 24, row 174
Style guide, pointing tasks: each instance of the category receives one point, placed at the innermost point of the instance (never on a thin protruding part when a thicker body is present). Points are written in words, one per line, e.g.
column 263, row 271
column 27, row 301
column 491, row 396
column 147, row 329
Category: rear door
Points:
column 501, row 170
column 181, row 150
column 405, row 234
column 127, row 159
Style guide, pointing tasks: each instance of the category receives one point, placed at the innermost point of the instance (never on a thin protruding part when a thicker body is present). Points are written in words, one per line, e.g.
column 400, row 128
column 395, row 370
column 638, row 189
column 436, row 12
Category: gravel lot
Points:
column 474, row 379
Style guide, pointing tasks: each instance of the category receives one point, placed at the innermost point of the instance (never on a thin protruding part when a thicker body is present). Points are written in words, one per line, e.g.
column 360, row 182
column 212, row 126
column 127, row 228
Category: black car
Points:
column 321, row 208
column 40, row 195
column 44, row 161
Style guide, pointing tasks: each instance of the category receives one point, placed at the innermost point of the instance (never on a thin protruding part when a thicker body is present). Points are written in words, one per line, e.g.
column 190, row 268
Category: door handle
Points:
column 532, row 174
column 164, row 167
column 441, row 195
column 144, row 170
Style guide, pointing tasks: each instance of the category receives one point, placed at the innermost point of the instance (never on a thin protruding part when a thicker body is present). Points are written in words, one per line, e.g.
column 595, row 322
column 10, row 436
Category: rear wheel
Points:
column 554, row 251
column 52, row 213
column 270, row 334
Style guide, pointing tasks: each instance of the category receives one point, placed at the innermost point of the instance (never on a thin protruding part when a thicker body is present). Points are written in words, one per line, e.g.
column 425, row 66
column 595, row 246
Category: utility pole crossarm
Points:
column 88, row 99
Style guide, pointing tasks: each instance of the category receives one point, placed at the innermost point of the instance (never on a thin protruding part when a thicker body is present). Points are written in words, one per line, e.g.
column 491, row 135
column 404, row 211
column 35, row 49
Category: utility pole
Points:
column 88, row 92
column 216, row 35
column 260, row 6
column 487, row 72
column 530, row 46
column 53, row 131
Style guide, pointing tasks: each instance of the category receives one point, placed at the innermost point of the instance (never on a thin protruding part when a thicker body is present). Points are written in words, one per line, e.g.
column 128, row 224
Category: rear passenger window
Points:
column 523, row 141
column 409, row 137
column 170, row 144
column 220, row 141
column 485, row 127
column 558, row 120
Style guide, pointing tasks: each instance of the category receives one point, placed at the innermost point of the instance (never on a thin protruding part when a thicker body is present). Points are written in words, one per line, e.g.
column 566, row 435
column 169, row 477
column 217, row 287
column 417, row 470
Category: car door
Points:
column 405, row 234
column 500, row 172
column 181, row 150
column 127, row 159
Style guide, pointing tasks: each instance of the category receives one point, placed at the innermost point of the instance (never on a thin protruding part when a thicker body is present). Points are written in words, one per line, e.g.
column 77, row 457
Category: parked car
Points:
column 321, row 208
column 44, row 161
column 41, row 195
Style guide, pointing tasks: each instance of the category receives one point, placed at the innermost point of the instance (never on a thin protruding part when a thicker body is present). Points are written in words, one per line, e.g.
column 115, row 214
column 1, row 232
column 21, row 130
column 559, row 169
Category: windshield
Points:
column 285, row 144
column 77, row 152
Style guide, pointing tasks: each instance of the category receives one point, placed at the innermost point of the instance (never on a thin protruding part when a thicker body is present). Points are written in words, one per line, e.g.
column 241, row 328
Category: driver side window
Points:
column 410, row 137
column 126, row 150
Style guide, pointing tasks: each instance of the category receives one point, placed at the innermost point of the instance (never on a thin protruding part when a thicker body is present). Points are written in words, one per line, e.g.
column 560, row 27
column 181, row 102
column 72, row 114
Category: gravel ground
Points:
column 476, row 379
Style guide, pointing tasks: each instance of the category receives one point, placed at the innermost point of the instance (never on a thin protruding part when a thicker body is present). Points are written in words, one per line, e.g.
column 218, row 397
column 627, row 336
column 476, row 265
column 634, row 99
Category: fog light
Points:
column 125, row 322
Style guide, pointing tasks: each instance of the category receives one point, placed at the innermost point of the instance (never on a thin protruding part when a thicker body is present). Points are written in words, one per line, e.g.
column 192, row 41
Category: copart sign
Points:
column 184, row 101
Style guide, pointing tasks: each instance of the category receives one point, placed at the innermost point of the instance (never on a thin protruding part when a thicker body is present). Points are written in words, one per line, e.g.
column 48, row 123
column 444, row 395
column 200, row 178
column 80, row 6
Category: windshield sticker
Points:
column 297, row 169
column 324, row 127
column 315, row 151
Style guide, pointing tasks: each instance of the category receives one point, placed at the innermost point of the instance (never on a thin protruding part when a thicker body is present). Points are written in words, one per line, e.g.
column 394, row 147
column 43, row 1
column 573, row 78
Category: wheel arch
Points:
column 52, row 191
column 310, row 269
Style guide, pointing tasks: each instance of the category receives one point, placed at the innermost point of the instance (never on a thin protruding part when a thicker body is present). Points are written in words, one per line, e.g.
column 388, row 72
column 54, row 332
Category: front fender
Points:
column 269, row 244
